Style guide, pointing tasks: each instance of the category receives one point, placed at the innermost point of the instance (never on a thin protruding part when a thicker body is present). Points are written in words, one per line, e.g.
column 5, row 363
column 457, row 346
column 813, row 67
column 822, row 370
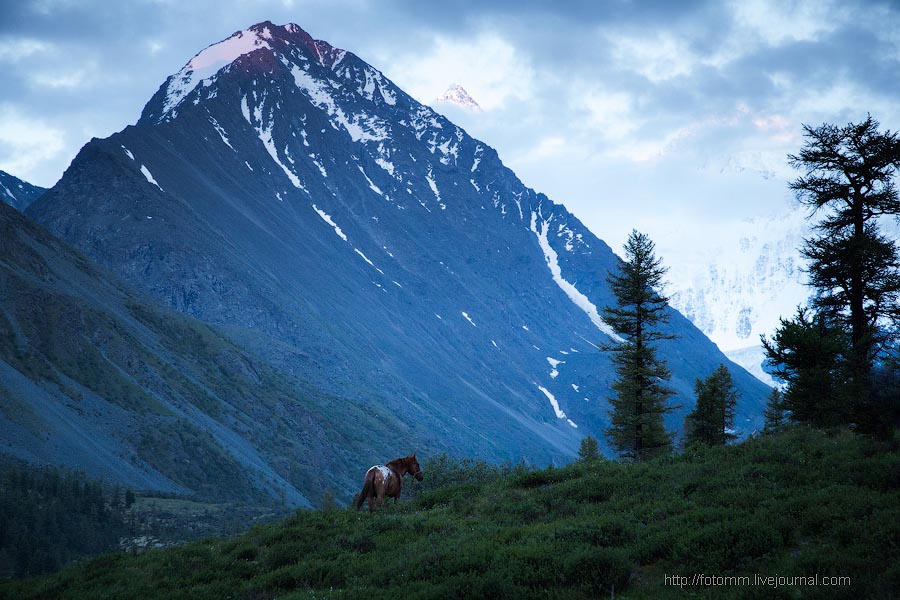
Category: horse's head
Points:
column 414, row 468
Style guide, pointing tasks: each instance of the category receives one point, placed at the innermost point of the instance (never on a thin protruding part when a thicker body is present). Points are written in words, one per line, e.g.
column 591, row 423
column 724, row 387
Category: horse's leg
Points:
column 380, row 499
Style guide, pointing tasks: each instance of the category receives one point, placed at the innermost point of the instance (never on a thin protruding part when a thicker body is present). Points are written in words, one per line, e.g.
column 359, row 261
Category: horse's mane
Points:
column 399, row 463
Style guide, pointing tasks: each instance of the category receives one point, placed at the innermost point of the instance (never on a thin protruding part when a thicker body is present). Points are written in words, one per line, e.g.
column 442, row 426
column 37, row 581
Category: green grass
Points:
column 800, row 503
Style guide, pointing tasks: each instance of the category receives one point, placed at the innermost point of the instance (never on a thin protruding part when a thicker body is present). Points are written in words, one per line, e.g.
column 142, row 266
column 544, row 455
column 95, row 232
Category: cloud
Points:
column 548, row 147
column 657, row 56
column 13, row 50
column 609, row 113
column 61, row 79
column 26, row 142
column 776, row 22
column 486, row 65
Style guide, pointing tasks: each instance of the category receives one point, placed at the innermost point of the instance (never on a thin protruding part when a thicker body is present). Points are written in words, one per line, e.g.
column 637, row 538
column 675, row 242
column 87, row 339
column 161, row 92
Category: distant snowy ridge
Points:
column 457, row 94
column 742, row 287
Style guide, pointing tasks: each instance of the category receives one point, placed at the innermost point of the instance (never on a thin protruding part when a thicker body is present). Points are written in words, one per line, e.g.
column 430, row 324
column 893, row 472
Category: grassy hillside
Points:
column 803, row 503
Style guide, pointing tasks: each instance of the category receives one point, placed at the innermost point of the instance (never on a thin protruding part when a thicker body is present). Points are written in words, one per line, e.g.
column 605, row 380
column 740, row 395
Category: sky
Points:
column 673, row 118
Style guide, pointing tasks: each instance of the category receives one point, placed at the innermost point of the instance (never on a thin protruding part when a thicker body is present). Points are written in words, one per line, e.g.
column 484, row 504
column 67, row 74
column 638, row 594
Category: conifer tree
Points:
column 712, row 420
column 641, row 391
column 589, row 451
column 848, row 180
column 807, row 355
column 774, row 413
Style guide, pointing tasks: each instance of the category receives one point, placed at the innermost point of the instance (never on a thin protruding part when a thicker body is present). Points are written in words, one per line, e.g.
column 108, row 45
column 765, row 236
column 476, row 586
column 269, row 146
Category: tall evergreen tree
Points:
column 848, row 179
column 637, row 431
column 712, row 420
column 807, row 354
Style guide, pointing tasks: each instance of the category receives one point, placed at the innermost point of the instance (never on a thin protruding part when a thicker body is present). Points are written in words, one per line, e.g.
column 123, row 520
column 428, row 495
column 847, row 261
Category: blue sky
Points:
column 671, row 117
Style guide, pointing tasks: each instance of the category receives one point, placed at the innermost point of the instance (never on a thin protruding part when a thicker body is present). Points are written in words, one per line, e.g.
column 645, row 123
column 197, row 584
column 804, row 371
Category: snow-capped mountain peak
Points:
column 211, row 60
column 204, row 67
column 457, row 94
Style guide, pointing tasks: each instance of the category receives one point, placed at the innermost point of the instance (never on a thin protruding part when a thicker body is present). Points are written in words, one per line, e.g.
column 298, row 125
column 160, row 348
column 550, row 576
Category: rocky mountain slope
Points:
column 17, row 193
column 99, row 378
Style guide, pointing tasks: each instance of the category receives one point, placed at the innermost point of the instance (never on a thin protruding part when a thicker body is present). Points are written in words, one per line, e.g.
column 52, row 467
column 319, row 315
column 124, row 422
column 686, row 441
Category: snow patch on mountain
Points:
column 150, row 178
column 386, row 165
column 265, row 136
column 372, row 186
column 208, row 62
column 554, row 364
column 366, row 258
column 221, row 132
column 327, row 218
column 361, row 126
column 7, row 191
column 571, row 291
column 318, row 165
column 434, row 189
column 555, row 404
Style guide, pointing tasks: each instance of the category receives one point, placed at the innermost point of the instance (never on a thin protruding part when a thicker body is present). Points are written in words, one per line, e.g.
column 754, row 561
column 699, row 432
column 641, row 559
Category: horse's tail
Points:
column 368, row 484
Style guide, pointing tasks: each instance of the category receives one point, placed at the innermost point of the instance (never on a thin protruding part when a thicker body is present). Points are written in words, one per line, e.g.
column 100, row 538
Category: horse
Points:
column 387, row 480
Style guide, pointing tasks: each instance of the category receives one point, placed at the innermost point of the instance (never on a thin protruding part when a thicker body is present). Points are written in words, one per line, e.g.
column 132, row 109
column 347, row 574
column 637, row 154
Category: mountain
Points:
column 288, row 193
column 17, row 193
column 744, row 286
column 457, row 95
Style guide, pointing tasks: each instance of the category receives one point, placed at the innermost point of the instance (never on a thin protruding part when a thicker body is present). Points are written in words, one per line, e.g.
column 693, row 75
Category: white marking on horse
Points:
column 385, row 472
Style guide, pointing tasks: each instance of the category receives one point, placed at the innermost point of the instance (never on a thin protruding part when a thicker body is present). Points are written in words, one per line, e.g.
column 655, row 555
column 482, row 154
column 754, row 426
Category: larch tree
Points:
column 848, row 179
column 637, row 431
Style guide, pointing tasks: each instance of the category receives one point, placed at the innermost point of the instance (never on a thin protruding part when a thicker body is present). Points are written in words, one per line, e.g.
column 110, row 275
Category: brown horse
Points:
column 387, row 480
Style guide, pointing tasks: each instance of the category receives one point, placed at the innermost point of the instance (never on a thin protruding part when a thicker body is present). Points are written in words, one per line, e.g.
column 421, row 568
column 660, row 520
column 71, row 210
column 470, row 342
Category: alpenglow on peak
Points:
column 457, row 94
column 207, row 64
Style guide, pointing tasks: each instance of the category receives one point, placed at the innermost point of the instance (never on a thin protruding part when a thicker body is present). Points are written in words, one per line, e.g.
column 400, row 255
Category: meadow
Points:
column 799, row 503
